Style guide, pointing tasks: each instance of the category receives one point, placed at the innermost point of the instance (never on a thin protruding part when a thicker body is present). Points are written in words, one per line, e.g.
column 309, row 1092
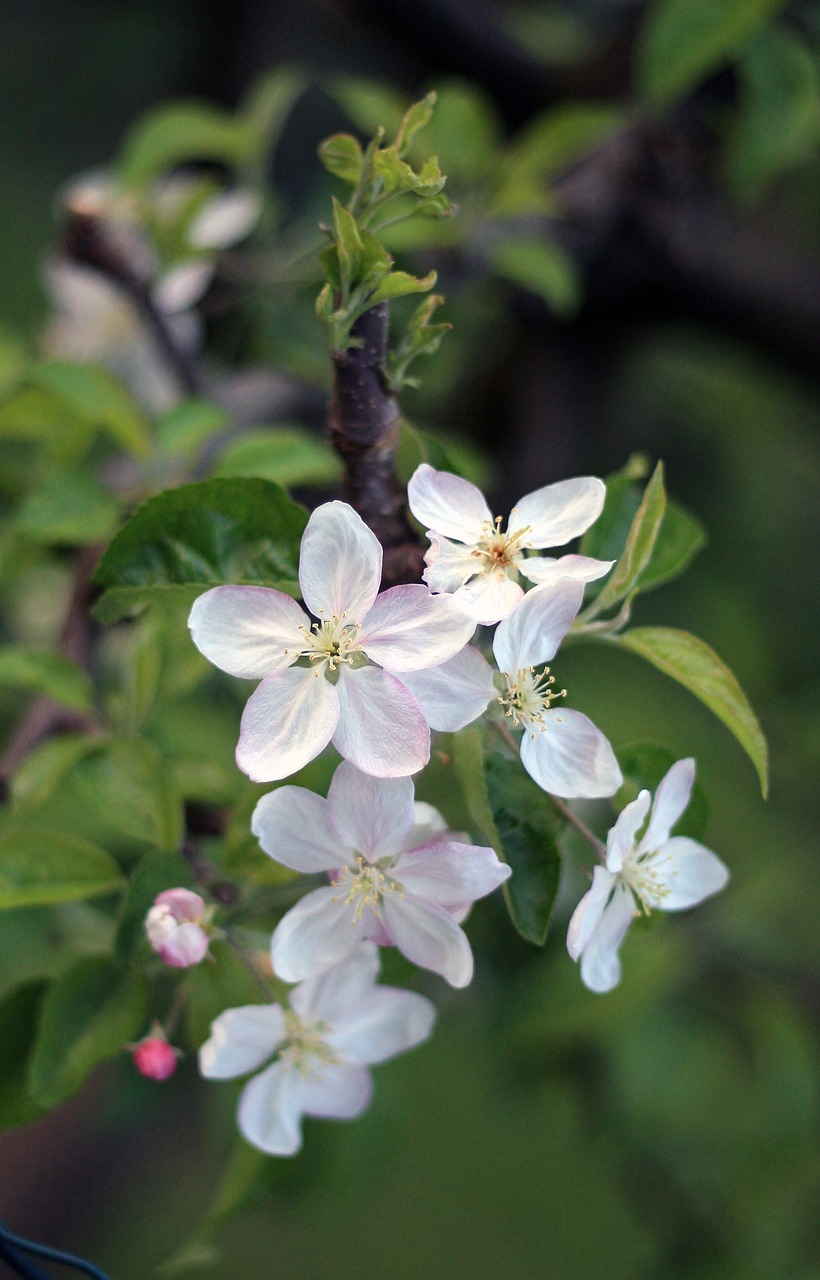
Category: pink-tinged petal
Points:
column 429, row 937
column 340, row 563
column 427, row 824
column 671, row 799
column 388, row 1022
column 270, row 1111
column 620, row 840
column 292, row 826
column 315, row 934
column 449, row 564
column 454, row 694
column 447, row 504
column 588, row 913
column 570, row 757
column 335, row 1091
column 489, row 597
column 241, row 1040
column 544, row 570
column 286, row 723
column 408, row 629
column 188, row 946
column 381, row 728
column 532, row 634
column 371, row 815
column 329, row 996
column 600, row 966
column 247, row 631
column 690, row 871
column 559, row 511
column 450, row 874
column 183, row 904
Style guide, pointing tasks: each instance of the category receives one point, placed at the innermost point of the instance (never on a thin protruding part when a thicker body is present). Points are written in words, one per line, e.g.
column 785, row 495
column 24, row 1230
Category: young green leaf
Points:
column 40, row 671
column 95, row 397
column 285, row 455
column 88, row 1015
column 179, row 132
column 44, row 866
column 415, row 118
column 542, row 267
column 693, row 664
column 341, row 155
column 183, row 431
column 640, row 544
column 398, row 283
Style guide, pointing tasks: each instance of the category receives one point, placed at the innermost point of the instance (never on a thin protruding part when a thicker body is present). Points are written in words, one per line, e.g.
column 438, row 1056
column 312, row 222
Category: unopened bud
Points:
column 174, row 927
column 155, row 1058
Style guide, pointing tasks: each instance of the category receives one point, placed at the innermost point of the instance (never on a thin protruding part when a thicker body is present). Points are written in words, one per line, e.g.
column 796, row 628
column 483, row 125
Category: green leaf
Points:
column 231, row 530
column 369, row 104
column 43, row 771
column 468, row 758
column 399, row 283
column 415, row 118
column 549, row 145
column 640, row 544
column 41, row 671
column 267, row 105
column 43, row 866
column 179, row 132
column 348, row 245
column 680, row 539
column 542, row 267
column 97, row 398
column 684, row 41
column 72, row 509
column 341, row 155
column 19, row 1012
column 693, row 664
column 528, row 828
column 212, row 988
column 88, row 1015
column 465, row 131
column 777, row 122
column 156, row 872
column 188, row 426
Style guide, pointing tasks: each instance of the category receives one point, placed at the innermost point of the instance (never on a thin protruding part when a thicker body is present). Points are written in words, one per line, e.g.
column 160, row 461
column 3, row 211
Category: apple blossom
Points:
column 174, row 927
column 155, row 1058
column 471, row 558
column 339, row 678
column 391, row 882
column 338, row 1025
column 656, row 872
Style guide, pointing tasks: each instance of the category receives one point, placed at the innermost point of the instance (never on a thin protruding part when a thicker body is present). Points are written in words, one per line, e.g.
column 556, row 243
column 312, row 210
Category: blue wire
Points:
column 21, row 1265
column 43, row 1251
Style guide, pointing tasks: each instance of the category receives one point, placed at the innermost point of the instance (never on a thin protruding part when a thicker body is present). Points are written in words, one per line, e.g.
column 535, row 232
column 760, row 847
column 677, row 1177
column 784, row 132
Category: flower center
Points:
column 642, row 875
column 366, row 885
column 500, row 551
column 331, row 641
column 306, row 1049
column 528, row 696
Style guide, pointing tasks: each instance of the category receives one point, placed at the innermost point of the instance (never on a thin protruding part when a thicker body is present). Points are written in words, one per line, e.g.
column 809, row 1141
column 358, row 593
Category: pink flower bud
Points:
column 174, row 927
column 155, row 1058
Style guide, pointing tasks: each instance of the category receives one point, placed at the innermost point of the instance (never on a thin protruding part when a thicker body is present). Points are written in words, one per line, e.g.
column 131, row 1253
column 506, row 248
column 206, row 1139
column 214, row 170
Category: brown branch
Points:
column 363, row 427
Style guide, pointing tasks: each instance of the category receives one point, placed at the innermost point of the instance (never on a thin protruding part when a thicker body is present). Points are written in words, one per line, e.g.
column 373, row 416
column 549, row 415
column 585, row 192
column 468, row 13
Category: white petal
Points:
column 225, row 220
column 408, row 629
column 292, row 826
column 450, row 874
column 340, row 563
column 388, row 1022
column 247, row 631
column 270, row 1112
column 286, row 723
column 371, row 815
column 316, row 934
column 545, row 570
column 691, row 873
column 241, row 1040
column 331, row 995
column 620, row 840
column 338, row 1091
column 600, row 966
column 381, row 727
column 449, row 564
column 455, row 693
column 671, row 798
column 489, row 597
column 532, row 634
column 587, row 914
column 429, row 937
column 570, row 757
column 559, row 511
column 427, row 824
column 182, row 286
column 447, row 504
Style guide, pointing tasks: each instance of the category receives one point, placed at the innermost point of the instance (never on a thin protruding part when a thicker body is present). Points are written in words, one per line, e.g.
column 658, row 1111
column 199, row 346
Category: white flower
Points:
column 397, row 877
column 657, row 872
column 338, row 679
column 561, row 749
column 174, row 927
column 471, row 557
column 338, row 1025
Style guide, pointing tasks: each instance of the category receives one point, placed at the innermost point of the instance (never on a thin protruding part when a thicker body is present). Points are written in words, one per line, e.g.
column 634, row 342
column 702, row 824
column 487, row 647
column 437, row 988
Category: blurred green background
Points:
column 666, row 1129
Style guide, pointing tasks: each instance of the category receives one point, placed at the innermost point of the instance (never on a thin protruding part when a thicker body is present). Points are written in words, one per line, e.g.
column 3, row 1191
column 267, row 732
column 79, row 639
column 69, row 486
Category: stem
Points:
column 363, row 427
